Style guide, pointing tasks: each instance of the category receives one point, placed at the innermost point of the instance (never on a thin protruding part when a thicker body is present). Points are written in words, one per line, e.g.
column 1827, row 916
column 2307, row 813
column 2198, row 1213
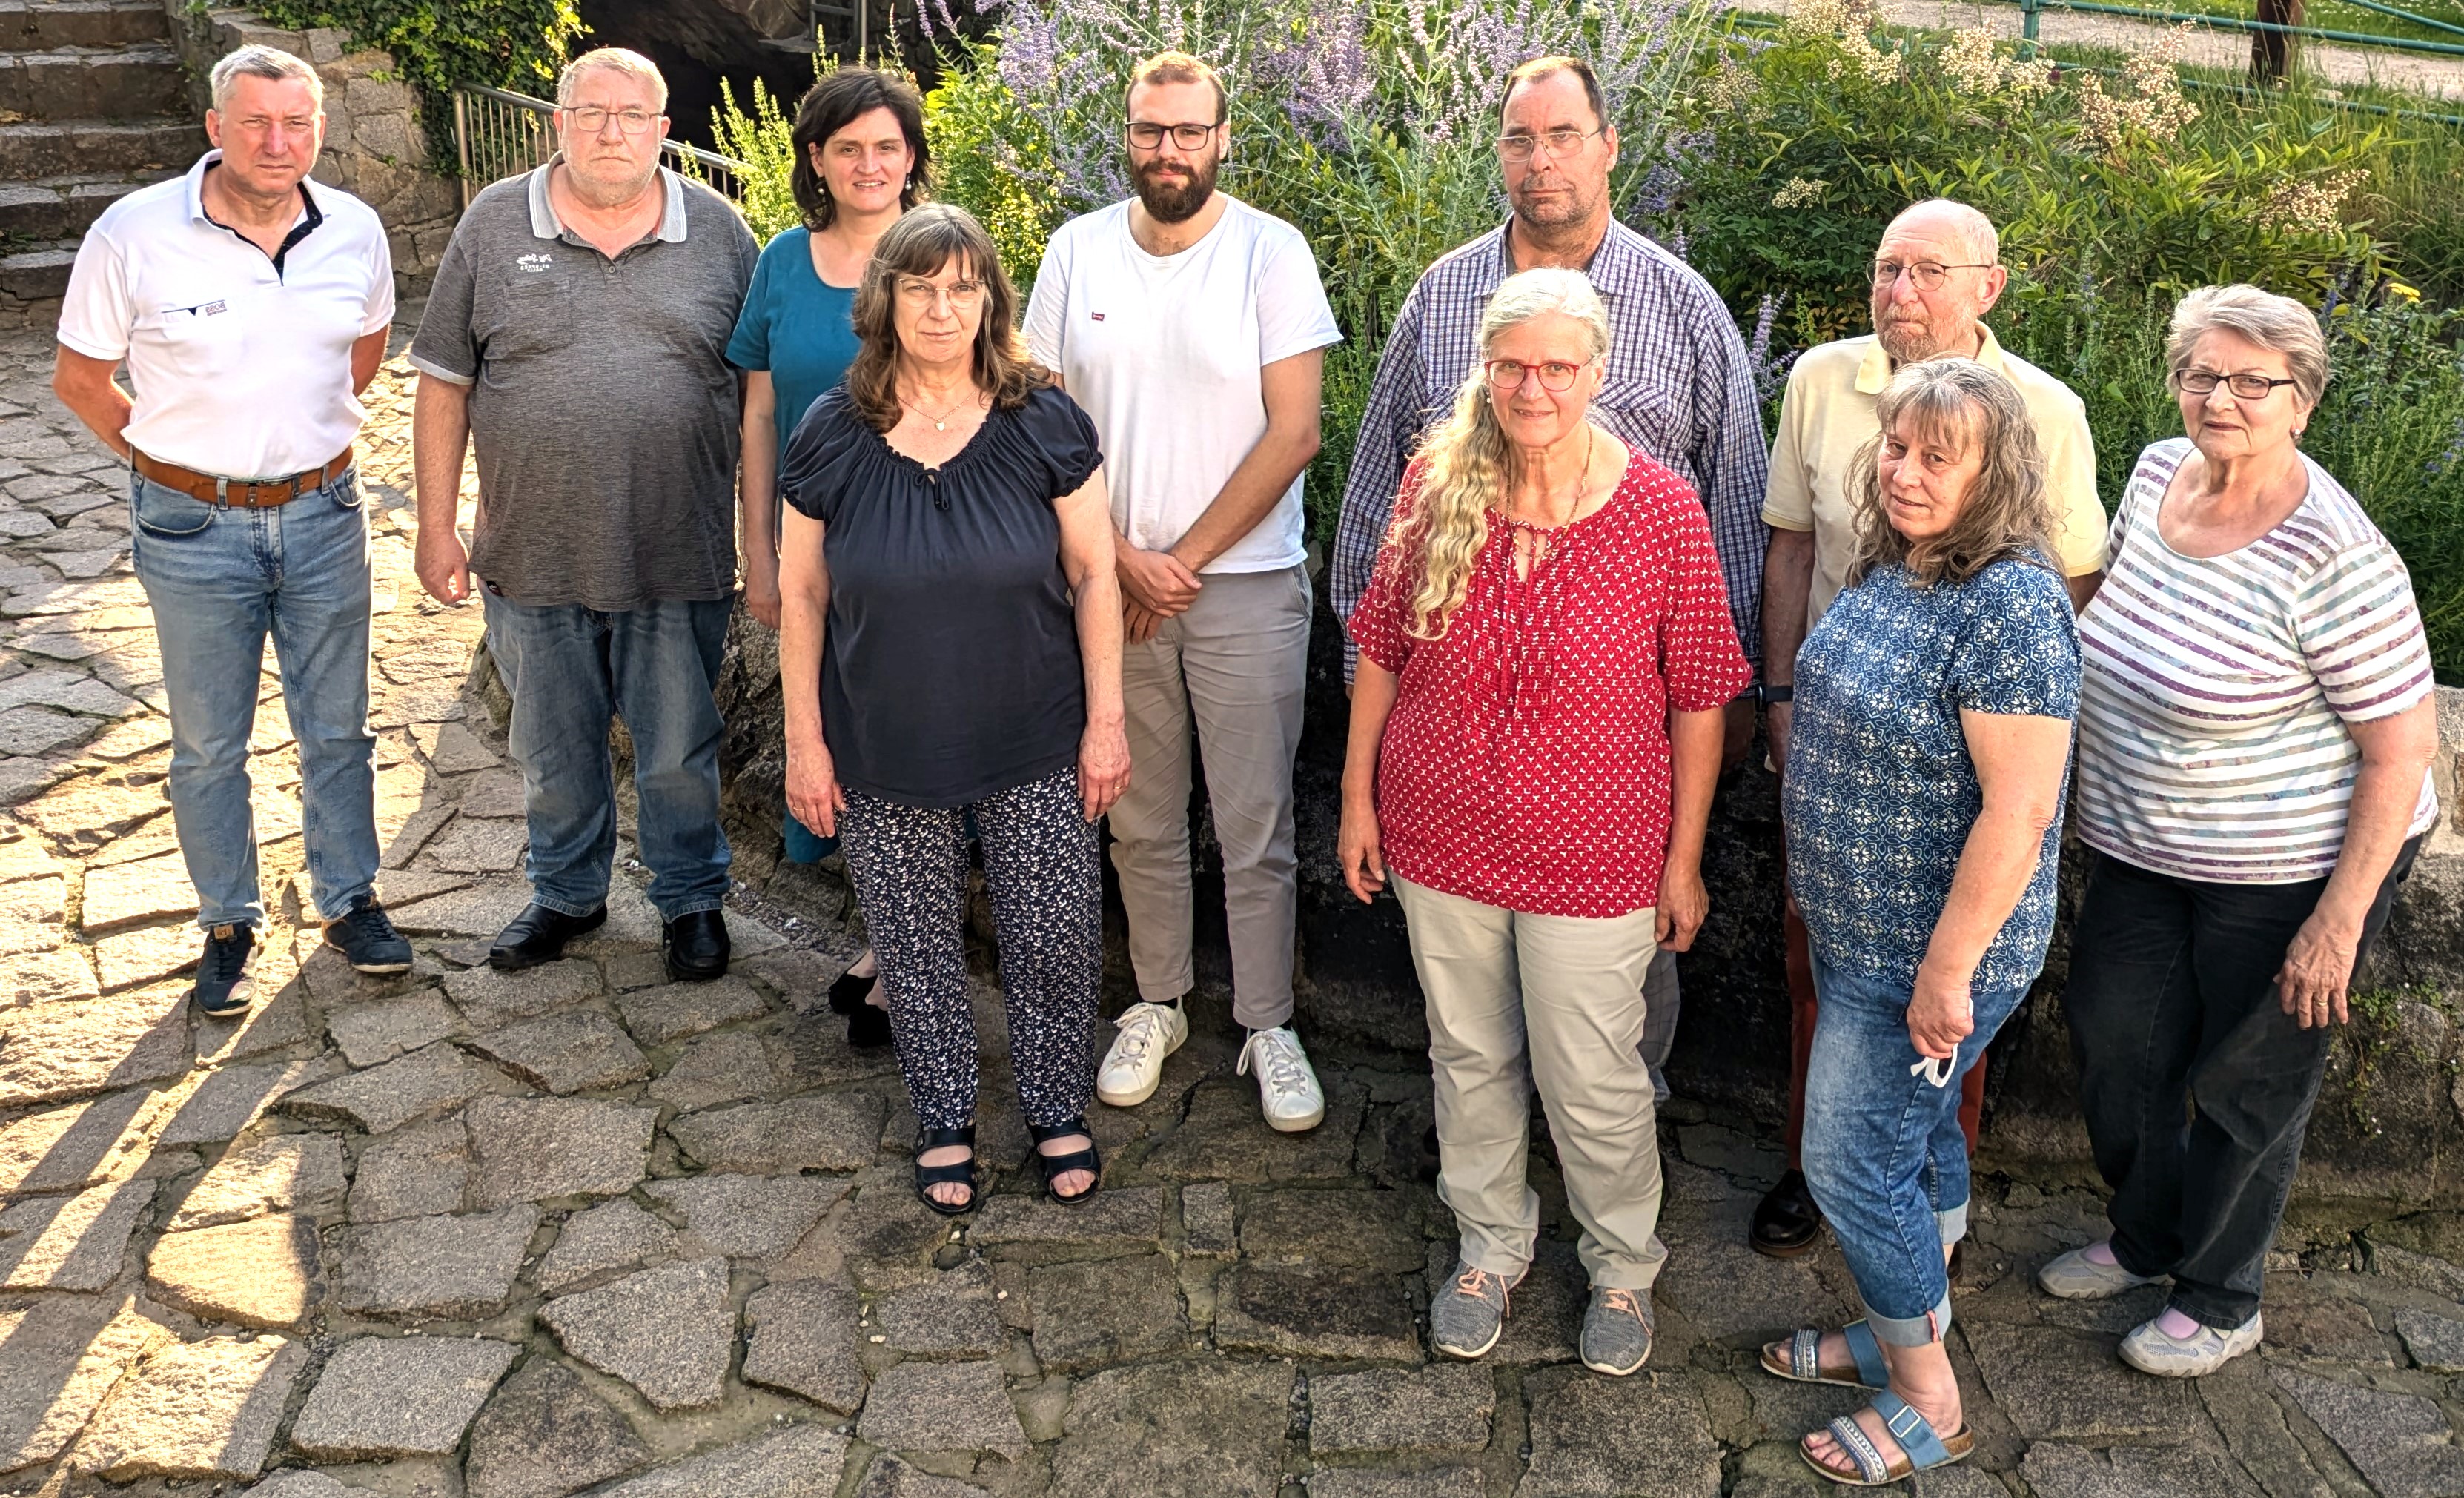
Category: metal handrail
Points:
column 2030, row 10
column 498, row 133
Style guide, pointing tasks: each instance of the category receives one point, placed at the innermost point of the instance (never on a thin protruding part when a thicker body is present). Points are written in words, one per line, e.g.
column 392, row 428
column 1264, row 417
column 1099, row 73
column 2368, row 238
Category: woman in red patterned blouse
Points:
column 1545, row 652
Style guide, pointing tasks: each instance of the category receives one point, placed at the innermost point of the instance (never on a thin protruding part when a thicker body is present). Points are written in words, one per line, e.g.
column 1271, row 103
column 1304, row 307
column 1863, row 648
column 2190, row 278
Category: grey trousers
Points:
column 1516, row 1000
column 1235, row 666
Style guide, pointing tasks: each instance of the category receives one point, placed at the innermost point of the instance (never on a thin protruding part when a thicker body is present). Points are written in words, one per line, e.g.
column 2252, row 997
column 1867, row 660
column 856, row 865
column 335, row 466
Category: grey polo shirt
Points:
column 601, row 403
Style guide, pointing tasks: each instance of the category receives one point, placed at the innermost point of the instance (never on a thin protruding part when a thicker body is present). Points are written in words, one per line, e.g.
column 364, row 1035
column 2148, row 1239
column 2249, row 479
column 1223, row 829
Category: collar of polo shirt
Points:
column 1873, row 371
column 545, row 225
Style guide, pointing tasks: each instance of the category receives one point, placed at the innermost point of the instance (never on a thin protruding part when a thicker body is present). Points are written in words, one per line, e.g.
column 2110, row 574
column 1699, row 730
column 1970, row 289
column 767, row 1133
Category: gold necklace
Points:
column 942, row 423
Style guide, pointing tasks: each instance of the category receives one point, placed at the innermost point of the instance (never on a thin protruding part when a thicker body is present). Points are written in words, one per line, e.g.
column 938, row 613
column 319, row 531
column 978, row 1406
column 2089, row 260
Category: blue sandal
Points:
column 1921, row 1449
column 1795, row 1359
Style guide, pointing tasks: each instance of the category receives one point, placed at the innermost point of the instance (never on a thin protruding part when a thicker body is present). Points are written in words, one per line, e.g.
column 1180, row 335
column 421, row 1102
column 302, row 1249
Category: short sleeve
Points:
column 1788, row 495
column 1047, row 306
column 1064, row 436
column 443, row 347
column 2070, row 484
column 748, row 347
column 1701, row 664
column 1293, row 316
column 2018, row 651
column 99, row 312
column 1379, row 623
column 380, row 313
column 823, row 455
column 2359, row 632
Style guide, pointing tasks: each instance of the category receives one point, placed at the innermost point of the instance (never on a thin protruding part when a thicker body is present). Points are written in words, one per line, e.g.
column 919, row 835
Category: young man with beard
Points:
column 1937, row 272
column 1192, row 328
column 1679, row 384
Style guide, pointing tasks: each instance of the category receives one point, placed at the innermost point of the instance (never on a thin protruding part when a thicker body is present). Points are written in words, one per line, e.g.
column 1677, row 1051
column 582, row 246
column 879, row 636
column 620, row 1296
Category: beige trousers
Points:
column 1235, row 665
column 1555, row 1001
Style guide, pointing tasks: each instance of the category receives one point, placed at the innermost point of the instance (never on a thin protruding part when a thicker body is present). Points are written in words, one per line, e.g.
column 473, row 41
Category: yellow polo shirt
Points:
column 1828, row 413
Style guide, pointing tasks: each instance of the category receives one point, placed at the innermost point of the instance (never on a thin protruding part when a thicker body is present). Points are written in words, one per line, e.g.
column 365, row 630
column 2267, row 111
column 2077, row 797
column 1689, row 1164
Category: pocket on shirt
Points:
column 1643, row 414
column 535, row 318
column 162, row 511
column 200, row 343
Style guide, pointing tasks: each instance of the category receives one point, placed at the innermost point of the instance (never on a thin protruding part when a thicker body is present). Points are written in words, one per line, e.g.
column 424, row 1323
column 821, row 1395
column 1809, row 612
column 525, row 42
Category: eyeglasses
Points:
column 2244, row 386
column 590, row 119
column 1927, row 274
column 1555, row 376
column 1148, row 136
column 917, row 292
column 1561, row 144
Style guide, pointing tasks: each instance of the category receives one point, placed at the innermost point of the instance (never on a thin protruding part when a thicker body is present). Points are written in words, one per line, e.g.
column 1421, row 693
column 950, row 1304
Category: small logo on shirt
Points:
column 213, row 309
column 533, row 263
column 1097, row 316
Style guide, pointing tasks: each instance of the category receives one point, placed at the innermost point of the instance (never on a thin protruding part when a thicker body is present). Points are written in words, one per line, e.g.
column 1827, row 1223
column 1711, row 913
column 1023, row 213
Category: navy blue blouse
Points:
column 951, row 671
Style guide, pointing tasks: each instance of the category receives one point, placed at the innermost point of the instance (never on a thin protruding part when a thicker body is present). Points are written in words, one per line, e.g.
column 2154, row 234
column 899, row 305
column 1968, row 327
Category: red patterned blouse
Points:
column 1526, row 764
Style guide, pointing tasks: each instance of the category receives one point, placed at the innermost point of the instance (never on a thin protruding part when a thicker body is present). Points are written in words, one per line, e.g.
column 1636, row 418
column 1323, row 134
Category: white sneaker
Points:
column 2074, row 1276
column 1133, row 1067
column 2151, row 1350
column 1287, row 1089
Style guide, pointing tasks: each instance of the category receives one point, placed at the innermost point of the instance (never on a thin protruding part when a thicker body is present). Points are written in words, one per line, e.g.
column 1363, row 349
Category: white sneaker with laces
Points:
column 1133, row 1067
column 1287, row 1089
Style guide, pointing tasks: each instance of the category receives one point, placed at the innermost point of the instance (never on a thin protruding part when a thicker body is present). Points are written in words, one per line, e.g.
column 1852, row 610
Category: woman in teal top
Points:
column 860, row 161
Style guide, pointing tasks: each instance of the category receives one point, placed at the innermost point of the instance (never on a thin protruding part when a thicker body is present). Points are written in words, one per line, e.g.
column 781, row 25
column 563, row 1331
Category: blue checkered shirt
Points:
column 1679, row 387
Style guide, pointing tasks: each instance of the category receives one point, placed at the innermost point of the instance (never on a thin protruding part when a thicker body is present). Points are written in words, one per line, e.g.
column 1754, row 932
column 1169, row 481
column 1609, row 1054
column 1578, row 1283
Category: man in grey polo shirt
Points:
column 577, row 332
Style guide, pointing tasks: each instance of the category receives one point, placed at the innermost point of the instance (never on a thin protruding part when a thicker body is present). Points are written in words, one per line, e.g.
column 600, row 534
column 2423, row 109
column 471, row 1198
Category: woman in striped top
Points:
column 2255, row 735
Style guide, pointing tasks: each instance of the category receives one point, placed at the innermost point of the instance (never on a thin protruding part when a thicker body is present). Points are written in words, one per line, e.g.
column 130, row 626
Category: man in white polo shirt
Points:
column 1193, row 329
column 251, row 308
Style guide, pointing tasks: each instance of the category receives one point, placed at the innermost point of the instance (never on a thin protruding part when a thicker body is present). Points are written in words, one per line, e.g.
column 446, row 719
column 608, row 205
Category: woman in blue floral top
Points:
column 1922, row 801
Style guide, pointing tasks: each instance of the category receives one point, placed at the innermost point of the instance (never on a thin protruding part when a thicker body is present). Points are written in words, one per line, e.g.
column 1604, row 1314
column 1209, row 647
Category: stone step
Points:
column 61, row 208
column 37, row 25
column 57, row 148
column 37, row 272
column 75, row 83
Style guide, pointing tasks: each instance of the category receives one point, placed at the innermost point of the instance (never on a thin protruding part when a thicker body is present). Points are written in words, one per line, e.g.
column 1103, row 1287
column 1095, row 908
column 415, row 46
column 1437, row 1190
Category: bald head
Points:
column 1956, row 246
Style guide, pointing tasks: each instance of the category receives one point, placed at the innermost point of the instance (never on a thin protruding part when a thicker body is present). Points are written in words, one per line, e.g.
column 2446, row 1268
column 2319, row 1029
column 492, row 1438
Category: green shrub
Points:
column 436, row 44
column 763, row 141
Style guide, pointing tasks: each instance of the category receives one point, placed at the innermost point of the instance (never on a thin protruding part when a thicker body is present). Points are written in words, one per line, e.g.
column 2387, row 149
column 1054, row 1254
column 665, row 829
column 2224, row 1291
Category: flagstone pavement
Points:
column 579, row 1228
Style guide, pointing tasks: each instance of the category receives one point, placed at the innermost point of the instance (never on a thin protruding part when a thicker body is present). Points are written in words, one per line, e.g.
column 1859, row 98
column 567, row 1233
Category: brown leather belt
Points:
column 252, row 493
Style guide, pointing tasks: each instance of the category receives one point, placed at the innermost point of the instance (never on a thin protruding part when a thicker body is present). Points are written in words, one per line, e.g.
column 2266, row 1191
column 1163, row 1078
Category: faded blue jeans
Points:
column 571, row 671
column 220, row 579
column 1884, row 1151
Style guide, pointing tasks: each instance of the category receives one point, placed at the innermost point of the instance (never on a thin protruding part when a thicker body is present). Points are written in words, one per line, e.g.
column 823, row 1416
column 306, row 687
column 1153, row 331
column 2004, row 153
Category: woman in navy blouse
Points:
column 1923, row 803
column 950, row 646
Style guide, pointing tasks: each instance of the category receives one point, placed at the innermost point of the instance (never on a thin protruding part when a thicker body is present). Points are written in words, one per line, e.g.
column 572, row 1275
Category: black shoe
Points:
column 963, row 1173
column 1056, row 1166
column 368, row 940
column 697, row 947
column 538, row 935
column 1787, row 1225
column 223, row 991
column 869, row 1027
column 849, row 994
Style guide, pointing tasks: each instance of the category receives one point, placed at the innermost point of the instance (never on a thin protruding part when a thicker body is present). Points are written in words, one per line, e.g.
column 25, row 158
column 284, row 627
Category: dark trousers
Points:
column 2197, row 1086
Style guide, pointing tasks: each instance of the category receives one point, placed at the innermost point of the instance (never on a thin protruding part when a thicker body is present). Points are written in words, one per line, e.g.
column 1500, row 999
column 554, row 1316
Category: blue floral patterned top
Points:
column 1880, row 792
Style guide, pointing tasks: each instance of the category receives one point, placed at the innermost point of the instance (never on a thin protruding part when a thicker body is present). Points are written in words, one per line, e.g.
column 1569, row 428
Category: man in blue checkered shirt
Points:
column 1680, row 383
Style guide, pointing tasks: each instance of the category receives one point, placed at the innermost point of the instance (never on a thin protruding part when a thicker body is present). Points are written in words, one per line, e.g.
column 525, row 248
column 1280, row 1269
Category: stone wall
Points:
column 2386, row 1141
column 375, row 147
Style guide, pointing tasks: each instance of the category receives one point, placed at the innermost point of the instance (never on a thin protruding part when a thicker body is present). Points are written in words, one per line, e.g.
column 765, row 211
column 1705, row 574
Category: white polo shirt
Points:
column 239, row 362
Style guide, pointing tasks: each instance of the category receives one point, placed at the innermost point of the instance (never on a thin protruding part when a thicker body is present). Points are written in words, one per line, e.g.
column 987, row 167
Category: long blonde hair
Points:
column 2008, row 513
column 1467, row 464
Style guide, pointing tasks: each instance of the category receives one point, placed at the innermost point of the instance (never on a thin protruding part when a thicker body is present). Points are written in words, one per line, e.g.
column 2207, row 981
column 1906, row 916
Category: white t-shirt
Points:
column 1165, row 354
column 237, row 368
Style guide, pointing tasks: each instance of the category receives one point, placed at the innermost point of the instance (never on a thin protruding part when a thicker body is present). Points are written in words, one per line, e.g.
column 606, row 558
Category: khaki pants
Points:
column 1516, row 999
column 1236, row 664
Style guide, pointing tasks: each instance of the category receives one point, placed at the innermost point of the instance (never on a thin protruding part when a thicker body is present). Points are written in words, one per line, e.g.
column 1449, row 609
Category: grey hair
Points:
column 1536, row 293
column 2264, row 318
column 615, row 59
column 256, row 60
column 1973, row 228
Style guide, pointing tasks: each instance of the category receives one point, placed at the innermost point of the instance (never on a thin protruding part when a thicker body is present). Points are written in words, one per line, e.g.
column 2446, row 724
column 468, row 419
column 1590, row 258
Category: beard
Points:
column 1176, row 202
column 1908, row 342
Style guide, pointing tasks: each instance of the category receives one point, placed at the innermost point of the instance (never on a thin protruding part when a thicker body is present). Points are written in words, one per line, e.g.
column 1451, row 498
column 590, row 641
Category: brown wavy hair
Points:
column 2008, row 515
column 838, row 100
column 920, row 244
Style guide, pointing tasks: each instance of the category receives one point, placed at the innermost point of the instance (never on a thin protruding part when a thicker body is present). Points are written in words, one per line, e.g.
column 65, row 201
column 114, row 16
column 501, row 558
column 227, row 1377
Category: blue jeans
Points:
column 1884, row 1151
column 220, row 579
column 571, row 671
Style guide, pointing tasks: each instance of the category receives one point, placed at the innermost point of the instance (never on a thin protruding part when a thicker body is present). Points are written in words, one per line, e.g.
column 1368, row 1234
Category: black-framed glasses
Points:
column 591, row 118
column 1928, row 275
column 2244, row 386
column 1147, row 136
column 1556, row 376
column 1561, row 144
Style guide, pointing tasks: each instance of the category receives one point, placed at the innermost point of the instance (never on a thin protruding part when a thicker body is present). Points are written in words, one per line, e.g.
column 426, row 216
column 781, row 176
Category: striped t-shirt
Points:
column 2215, row 691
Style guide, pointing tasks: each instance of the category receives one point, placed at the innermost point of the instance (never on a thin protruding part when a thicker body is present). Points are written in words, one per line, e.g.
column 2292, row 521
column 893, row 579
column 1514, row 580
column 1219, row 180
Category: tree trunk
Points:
column 2271, row 52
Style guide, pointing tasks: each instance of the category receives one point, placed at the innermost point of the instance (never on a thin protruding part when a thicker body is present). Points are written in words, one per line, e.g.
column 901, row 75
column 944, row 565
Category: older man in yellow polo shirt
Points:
column 1936, row 274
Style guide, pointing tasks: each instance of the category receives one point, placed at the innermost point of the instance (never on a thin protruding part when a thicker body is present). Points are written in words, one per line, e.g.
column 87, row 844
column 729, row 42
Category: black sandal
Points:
column 1055, row 1166
column 962, row 1173
column 847, row 995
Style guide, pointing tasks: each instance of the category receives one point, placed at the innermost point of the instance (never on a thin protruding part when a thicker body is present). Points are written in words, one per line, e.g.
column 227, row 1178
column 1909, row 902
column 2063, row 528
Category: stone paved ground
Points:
column 459, row 1233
